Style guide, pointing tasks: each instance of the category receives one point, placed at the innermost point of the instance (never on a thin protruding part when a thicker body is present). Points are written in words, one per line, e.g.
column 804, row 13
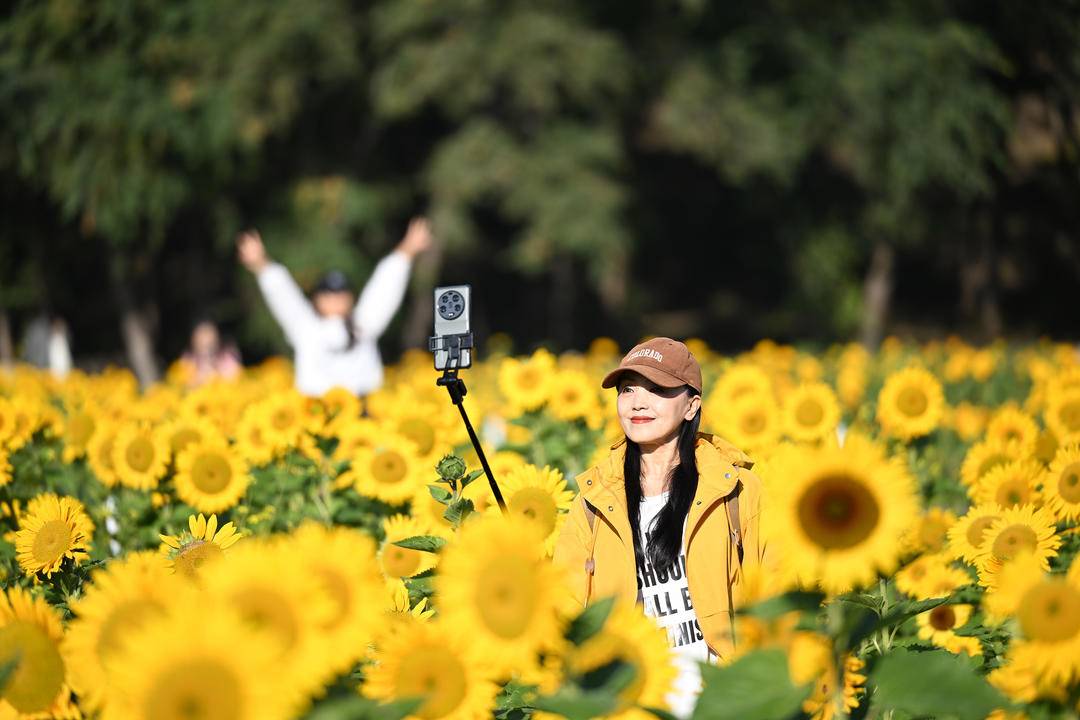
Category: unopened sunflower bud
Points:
column 450, row 468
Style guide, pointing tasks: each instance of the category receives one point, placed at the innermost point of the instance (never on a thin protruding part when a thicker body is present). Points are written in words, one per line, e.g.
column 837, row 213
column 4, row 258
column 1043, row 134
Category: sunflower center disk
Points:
column 976, row 532
column 1070, row 416
column 1069, row 484
column 912, row 402
column 399, row 561
column 535, row 503
column 194, row 555
column 267, row 611
column 139, row 454
column 211, row 473
column 40, row 673
column 124, row 618
column 79, row 429
column 436, row 673
column 943, row 617
column 53, row 539
column 507, row 596
column 753, row 423
column 420, row 432
column 1014, row 539
column 809, row 413
column 195, row 690
column 388, row 467
column 1050, row 612
column 838, row 512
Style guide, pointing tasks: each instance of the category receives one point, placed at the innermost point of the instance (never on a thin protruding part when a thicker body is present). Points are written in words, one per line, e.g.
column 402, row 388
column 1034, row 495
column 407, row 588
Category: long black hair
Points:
column 666, row 544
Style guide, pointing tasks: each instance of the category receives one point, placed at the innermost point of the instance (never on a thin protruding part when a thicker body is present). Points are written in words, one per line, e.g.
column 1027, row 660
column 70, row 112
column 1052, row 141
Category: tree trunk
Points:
column 978, row 293
column 877, row 295
column 420, row 320
column 7, row 347
column 138, row 341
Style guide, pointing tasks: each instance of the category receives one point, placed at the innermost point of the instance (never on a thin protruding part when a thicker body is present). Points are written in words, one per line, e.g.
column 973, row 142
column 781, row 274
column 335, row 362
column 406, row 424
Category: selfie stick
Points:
column 454, row 344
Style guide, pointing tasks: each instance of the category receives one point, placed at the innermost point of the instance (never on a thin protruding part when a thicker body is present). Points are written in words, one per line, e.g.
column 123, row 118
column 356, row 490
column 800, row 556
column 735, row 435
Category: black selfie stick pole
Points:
column 456, row 387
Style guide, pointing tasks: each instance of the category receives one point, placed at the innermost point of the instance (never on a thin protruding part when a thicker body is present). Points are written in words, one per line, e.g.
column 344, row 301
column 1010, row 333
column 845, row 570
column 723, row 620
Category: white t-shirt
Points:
column 322, row 360
column 665, row 595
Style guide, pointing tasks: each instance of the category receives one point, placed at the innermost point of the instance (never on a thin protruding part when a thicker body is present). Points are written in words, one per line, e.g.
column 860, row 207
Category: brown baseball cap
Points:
column 667, row 362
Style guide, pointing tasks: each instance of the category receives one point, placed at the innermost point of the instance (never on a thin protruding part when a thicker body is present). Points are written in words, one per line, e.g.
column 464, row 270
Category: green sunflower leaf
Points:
column 754, row 687
column 424, row 543
column 589, row 621
column 441, row 494
column 931, row 684
column 774, row 607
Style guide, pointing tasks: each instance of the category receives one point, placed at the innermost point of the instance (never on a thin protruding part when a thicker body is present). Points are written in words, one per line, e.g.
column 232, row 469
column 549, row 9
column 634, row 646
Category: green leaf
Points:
column 574, row 704
column 441, row 494
column 659, row 712
column 589, row 621
column 932, row 684
column 471, row 476
column 794, row 601
column 871, row 602
column 458, row 510
column 359, row 708
column 424, row 543
column 754, row 687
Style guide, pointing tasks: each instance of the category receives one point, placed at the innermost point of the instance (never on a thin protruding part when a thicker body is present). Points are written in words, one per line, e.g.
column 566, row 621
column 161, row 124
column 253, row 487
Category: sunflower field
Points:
column 238, row 550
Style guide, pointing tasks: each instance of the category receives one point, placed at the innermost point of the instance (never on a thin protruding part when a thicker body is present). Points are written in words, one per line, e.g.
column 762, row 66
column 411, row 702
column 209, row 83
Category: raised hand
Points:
column 250, row 250
column 418, row 237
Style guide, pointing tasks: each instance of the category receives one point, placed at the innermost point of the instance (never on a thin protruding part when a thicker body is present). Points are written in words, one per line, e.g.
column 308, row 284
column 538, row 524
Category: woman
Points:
column 334, row 336
column 207, row 357
column 668, row 516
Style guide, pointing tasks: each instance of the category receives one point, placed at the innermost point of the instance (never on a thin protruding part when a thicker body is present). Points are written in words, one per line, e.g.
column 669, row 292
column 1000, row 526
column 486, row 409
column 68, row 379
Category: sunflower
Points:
column 929, row 574
column 197, row 660
column 187, row 429
column 426, row 431
column 99, row 454
column 810, row 413
column 495, row 580
column 1047, row 608
column 751, row 422
column 7, row 421
column 53, row 528
column 967, row 537
column 969, row 421
column 539, row 496
column 118, row 600
column 270, row 585
column 399, row 562
column 1022, row 684
column 939, row 624
column 573, row 396
column 210, row 477
column 1061, row 484
column 140, row 456
column 526, row 384
column 389, row 471
column 79, row 427
column 982, row 457
column 433, row 661
column 1014, row 483
column 342, row 561
column 283, row 418
column 1062, row 415
column 930, row 533
column 630, row 637
column 5, row 467
column 251, row 442
column 810, row 660
column 838, row 513
column 353, row 435
column 1012, row 425
column 203, row 543
column 1019, row 529
column 30, row 633
column 911, row 403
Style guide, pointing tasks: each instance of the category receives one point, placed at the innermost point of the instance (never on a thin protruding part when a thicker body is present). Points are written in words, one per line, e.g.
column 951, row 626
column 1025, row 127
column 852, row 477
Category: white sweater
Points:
column 322, row 361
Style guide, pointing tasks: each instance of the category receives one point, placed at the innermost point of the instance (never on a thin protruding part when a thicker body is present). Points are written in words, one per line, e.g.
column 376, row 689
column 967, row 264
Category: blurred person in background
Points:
column 334, row 334
column 47, row 344
column 207, row 358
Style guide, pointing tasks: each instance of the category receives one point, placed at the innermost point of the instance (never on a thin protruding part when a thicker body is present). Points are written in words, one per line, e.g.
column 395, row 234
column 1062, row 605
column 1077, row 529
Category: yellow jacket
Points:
column 710, row 546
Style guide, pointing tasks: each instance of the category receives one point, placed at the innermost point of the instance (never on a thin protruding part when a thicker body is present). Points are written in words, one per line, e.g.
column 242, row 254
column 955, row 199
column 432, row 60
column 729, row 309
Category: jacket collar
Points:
column 602, row 485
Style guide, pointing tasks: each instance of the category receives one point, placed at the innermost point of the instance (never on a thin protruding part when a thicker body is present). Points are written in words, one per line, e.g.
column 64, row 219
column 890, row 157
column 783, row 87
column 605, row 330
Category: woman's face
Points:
column 330, row 303
column 650, row 414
